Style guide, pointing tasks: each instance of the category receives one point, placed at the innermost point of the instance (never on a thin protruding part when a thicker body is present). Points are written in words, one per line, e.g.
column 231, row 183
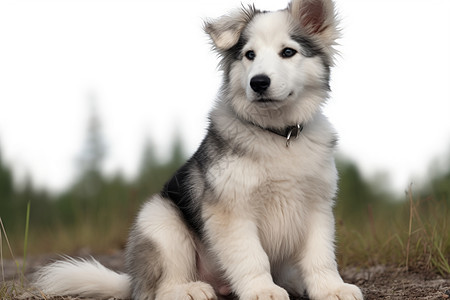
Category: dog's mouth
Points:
column 270, row 100
column 266, row 100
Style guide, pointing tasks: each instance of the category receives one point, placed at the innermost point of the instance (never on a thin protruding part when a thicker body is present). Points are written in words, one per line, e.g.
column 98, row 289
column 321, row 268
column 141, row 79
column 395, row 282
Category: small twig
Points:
column 25, row 244
column 410, row 226
column 9, row 245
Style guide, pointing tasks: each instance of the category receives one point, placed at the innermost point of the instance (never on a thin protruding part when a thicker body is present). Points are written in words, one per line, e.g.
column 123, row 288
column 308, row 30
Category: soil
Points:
column 378, row 282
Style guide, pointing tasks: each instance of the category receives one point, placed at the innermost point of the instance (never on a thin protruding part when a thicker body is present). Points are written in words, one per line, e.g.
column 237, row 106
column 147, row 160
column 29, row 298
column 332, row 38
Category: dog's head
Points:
column 276, row 64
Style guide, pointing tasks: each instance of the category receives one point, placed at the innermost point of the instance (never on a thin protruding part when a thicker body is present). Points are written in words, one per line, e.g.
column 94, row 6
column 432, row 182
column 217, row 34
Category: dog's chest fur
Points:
column 276, row 186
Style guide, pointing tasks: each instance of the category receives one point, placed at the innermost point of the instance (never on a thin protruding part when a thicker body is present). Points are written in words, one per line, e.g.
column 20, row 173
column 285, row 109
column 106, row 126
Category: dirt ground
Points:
column 379, row 282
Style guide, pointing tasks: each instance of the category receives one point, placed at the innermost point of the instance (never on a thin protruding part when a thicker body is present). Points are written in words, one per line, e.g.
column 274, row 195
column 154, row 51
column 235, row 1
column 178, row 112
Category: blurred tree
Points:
column 6, row 190
column 153, row 173
column 91, row 159
column 355, row 193
column 440, row 187
column 178, row 156
column 148, row 163
column 440, row 182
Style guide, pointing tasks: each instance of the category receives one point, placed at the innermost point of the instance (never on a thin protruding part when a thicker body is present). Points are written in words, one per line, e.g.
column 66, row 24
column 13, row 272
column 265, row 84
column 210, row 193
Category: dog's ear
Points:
column 226, row 30
column 316, row 17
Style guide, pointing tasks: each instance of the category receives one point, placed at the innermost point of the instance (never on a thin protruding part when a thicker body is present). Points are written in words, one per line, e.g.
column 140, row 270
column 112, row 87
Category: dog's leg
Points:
column 161, row 256
column 235, row 242
column 318, row 263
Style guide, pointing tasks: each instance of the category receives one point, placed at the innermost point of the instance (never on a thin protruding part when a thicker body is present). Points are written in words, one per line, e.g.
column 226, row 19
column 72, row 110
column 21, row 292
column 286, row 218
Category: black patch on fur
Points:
column 188, row 187
column 235, row 53
column 326, row 77
column 231, row 55
column 309, row 47
column 180, row 189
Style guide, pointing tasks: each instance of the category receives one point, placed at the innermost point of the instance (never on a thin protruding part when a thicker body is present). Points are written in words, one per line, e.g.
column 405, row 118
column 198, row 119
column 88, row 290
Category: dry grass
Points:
column 413, row 235
column 8, row 290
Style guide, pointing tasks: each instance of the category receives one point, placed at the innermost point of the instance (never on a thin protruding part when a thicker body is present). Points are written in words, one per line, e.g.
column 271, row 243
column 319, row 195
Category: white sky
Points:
column 149, row 66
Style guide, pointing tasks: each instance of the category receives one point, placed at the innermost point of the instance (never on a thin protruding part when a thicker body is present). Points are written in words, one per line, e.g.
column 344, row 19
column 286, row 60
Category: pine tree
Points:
column 92, row 157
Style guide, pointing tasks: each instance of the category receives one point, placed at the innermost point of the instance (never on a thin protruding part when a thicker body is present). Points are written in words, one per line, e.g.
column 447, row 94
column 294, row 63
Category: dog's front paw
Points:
column 273, row 292
column 344, row 291
column 193, row 290
column 348, row 292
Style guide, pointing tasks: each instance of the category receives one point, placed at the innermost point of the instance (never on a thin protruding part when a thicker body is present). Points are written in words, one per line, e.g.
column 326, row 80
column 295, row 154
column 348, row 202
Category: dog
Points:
column 250, row 214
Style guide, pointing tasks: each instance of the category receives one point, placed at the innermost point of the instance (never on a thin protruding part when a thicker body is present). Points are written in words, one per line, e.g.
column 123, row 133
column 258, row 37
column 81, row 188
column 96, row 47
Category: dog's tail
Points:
column 81, row 277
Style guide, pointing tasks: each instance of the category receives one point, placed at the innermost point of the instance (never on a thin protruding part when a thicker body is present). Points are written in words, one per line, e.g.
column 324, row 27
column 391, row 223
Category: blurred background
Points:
column 101, row 101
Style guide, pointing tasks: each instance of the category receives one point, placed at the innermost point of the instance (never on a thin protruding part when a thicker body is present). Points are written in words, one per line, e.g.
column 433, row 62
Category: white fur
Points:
column 82, row 277
column 160, row 222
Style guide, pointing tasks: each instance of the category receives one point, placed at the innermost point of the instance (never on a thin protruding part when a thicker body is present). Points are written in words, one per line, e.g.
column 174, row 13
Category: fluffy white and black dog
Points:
column 251, row 213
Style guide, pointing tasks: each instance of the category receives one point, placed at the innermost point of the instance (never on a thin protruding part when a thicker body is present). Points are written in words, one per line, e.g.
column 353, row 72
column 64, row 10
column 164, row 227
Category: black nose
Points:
column 260, row 83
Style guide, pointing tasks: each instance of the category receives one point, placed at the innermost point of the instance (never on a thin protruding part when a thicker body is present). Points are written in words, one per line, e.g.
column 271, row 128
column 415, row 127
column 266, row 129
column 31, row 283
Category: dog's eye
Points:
column 250, row 54
column 288, row 52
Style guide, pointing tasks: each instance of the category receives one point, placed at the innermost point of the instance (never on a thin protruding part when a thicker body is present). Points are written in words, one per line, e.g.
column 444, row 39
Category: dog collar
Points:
column 290, row 132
